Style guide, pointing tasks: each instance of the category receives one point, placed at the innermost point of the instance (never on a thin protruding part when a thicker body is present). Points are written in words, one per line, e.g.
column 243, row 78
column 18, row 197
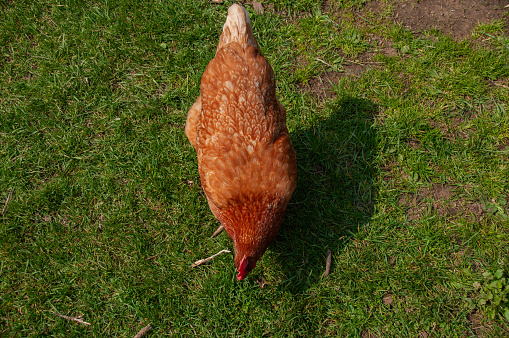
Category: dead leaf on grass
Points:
column 258, row 7
column 387, row 299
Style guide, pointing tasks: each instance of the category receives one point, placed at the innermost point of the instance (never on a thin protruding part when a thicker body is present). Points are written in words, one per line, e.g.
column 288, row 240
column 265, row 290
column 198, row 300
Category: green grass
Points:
column 106, row 212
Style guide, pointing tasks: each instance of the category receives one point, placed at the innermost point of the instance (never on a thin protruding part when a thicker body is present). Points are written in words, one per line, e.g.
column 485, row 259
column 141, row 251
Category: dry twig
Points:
column 143, row 331
column 364, row 62
column 433, row 329
column 328, row 263
column 501, row 85
column 7, row 202
column 328, row 64
column 74, row 319
column 325, row 63
column 218, row 231
column 205, row 260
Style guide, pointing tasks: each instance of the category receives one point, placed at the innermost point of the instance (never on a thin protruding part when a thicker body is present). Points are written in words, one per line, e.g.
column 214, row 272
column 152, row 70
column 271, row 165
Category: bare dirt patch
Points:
column 322, row 85
column 479, row 325
column 457, row 124
column 368, row 334
column 442, row 200
column 453, row 130
column 456, row 18
column 414, row 144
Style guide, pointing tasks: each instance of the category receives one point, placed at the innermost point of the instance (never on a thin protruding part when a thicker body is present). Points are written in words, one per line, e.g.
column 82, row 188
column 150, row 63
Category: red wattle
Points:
column 242, row 269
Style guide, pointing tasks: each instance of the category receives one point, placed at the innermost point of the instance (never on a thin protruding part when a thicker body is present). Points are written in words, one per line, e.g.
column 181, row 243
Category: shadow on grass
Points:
column 335, row 191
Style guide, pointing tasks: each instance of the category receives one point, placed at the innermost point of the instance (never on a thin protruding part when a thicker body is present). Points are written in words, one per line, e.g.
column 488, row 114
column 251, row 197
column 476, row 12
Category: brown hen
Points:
column 245, row 157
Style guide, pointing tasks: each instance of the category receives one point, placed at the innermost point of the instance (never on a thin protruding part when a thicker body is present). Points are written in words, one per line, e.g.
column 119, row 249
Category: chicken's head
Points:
column 245, row 266
column 252, row 227
column 248, row 250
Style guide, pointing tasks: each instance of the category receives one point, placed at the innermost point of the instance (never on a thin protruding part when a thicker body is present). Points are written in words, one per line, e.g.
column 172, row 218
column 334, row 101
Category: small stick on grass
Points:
column 328, row 64
column 74, row 319
column 364, row 62
column 433, row 329
column 7, row 202
column 205, row 260
column 143, row 331
column 325, row 63
column 501, row 85
column 328, row 263
column 218, row 231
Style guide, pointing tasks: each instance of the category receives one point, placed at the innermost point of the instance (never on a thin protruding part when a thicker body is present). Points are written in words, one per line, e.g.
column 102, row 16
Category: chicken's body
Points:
column 245, row 157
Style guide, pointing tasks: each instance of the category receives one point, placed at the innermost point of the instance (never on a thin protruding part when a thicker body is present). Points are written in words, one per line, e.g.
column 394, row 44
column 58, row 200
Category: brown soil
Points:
column 456, row 18
column 453, row 129
column 439, row 199
column 368, row 334
column 321, row 86
column 479, row 325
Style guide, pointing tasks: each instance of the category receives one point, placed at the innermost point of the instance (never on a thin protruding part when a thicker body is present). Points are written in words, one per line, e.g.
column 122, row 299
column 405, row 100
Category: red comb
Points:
column 242, row 269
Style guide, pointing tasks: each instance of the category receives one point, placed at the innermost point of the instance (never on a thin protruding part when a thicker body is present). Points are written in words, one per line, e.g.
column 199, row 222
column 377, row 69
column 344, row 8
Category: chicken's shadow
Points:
column 335, row 191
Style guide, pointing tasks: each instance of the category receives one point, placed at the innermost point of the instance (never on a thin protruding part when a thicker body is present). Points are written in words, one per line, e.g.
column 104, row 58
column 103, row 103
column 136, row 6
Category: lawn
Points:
column 398, row 111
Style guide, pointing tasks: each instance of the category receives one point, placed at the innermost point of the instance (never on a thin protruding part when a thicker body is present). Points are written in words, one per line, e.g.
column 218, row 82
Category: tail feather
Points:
column 237, row 28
